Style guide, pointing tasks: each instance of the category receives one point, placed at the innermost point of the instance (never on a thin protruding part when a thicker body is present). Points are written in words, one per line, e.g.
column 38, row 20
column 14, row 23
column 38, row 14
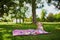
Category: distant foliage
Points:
column 43, row 14
column 57, row 17
column 50, row 17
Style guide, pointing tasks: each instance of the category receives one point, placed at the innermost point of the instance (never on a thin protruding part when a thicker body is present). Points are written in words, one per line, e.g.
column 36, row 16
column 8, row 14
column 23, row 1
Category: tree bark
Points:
column 34, row 11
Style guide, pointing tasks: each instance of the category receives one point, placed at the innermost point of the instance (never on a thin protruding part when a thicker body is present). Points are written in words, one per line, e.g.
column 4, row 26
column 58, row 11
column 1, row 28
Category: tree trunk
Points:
column 34, row 11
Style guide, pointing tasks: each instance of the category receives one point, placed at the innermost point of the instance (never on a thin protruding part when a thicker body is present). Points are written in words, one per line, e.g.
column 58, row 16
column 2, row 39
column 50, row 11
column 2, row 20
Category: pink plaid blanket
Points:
column 28, row 32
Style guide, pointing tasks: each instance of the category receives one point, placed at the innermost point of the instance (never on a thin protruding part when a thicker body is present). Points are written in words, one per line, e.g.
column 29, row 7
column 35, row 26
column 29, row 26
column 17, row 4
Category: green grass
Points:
column 6, row 32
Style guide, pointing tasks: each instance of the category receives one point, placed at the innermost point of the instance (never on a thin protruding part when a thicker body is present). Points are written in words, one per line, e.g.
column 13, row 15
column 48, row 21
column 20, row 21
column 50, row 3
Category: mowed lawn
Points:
column 6, row 32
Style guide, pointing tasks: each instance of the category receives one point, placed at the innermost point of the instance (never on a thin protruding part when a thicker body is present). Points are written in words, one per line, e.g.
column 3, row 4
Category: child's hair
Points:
column 39, row 23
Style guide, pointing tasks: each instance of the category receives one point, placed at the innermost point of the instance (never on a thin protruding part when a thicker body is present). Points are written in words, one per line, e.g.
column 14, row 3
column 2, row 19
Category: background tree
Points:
column 3, row 4
column 50, row 17
column 58, row 3
column 43, row 14
column 57, row 17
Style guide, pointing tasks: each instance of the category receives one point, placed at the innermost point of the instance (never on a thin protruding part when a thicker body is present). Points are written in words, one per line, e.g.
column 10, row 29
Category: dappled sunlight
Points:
column 7, row 37
column 7, row 23
column 57, row 28
column 2, row 30
column 6, row 32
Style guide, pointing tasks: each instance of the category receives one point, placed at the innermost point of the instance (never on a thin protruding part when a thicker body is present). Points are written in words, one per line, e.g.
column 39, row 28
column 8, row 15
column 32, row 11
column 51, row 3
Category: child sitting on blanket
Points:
column 39, row 29
column 39, row 26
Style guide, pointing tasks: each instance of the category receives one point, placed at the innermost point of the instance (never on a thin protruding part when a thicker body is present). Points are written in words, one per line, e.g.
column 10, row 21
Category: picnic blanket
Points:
column 28, row 32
